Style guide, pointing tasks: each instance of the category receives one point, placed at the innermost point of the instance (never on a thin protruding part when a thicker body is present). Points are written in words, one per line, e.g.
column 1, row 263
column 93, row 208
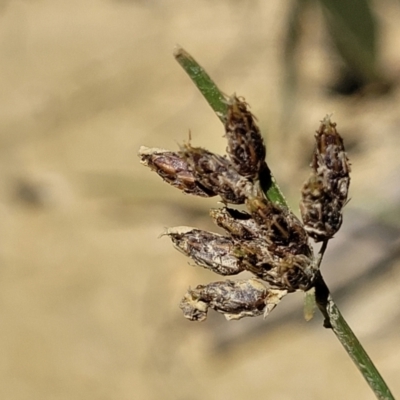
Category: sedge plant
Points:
column 267, row 239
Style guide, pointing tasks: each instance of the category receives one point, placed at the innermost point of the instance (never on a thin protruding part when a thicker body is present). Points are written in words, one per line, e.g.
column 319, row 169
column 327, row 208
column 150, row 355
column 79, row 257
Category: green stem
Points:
column 215, row 98
column 334, row 320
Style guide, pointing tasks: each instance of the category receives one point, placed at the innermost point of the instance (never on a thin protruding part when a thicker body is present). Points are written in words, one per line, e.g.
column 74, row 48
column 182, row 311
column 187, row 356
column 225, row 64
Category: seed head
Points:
column 172, row 167
column 325, row 192
column 206, row 249
column 246, row 147
column 234, row 299
column 217, row 174
column 267, row 240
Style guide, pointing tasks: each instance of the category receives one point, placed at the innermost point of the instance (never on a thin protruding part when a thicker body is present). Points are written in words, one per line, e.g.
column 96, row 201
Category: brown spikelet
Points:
column 238, row 224
column 246, row 146
column 234, row 299
column 325, row 192
column 282, row 230
column 217, row 174
column 282, row 256
column 206, row 249
column 172, row 167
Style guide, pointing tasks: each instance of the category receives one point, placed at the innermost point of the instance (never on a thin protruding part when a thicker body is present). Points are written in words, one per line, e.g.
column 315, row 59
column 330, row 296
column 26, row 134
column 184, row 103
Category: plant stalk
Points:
column 333, row 318
column 335, row 321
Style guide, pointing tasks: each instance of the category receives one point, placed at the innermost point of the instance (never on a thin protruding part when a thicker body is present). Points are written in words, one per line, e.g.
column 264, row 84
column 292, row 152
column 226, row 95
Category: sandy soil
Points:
column 88, row 293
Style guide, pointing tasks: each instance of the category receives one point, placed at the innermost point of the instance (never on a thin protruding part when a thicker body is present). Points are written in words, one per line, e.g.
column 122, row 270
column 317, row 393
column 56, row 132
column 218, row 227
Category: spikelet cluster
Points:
column 267, row 240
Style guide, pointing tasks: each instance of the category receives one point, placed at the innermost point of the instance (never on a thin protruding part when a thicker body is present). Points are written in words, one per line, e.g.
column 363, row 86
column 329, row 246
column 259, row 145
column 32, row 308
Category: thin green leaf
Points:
column 290, row 68
column 353, row 30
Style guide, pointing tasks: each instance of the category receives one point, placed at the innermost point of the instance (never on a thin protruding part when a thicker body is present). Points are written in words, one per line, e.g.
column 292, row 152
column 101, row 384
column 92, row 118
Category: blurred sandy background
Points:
column 88, row 293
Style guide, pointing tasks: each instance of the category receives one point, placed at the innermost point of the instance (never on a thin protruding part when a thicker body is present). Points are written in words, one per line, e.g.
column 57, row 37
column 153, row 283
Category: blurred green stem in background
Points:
column 352, row 44
column 333, row 318
column 352, row 28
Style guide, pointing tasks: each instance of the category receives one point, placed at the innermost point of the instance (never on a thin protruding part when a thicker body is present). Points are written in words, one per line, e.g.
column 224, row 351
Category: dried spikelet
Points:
column 281, row 229
column 228, row 256
column 325, row 193
column 294, row 272
column 238, row 224
column 206, row 249
column 171, row 167
column 246, row 146
column 281, row 255
column 234, row 299
column 255, row 257
column 217, row 174
column 290, row 272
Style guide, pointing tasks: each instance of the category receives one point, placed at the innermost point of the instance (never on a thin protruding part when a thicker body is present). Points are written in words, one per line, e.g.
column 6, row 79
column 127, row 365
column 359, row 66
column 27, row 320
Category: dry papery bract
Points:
column 267, row 240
